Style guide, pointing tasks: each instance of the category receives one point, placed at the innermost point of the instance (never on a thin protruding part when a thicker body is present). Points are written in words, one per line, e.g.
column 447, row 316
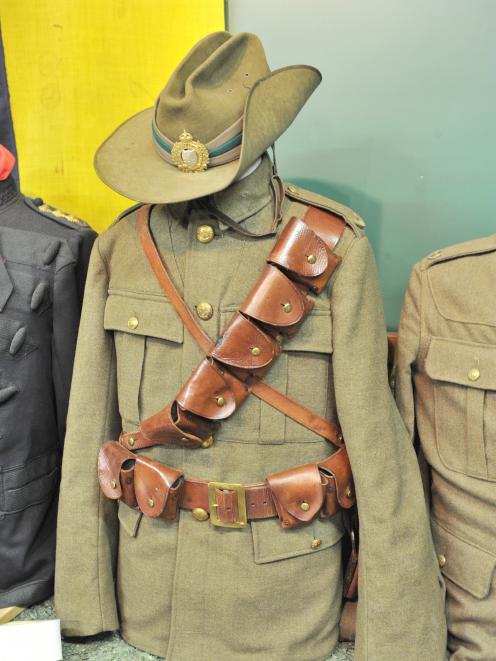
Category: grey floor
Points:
column 111, row 647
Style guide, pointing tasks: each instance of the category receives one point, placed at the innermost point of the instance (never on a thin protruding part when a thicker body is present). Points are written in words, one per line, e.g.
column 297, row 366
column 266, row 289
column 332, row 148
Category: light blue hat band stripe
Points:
column 160, row 141
column 230, row 144
column 227, row 146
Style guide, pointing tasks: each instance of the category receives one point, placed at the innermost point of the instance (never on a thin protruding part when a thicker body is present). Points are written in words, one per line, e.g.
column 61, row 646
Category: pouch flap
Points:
column 207, row 393
column 143, row 315
column 275, row 300
column 297, row 492
column 243, row 344
column 467, row 565
column 110, row 459
column 300, row 250
column 152, row 484
column 464, row 363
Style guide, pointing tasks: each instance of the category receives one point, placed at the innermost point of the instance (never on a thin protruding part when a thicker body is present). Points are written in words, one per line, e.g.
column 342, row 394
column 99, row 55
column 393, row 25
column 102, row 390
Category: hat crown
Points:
column 207, row 92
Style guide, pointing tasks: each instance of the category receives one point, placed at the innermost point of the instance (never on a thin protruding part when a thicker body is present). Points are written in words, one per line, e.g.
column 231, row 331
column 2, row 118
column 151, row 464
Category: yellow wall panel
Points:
column 78, row 68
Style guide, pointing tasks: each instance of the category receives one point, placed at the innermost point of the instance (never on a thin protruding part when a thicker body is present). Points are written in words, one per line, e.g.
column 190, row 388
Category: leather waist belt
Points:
column 296, row 496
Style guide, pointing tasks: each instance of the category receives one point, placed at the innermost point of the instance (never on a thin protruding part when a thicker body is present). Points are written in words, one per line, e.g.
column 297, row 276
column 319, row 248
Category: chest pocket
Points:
column 465, row 405
column 301, row 371
column 148, row 338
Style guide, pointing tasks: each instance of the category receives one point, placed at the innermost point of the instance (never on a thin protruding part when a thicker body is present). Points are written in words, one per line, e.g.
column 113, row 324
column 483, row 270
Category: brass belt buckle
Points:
column 212, row 505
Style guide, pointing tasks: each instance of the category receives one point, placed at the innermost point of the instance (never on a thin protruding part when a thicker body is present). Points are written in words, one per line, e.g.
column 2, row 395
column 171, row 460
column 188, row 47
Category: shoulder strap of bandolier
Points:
column 301, row 261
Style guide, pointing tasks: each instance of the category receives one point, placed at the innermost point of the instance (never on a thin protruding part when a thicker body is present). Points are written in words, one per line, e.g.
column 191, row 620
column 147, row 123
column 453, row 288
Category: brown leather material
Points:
column 276, row 301
column 347, row 623
column 127, row 486
column 162, row 428
column 339, row 468
column 156, row 484
column 298, row 494
column 207, row 393
column 110, row 460
column 244, row 345
column 159, row 490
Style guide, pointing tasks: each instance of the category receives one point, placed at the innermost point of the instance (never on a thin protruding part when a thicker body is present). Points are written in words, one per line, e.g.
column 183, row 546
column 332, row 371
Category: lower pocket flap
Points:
column 469, row 566
column 271, row 542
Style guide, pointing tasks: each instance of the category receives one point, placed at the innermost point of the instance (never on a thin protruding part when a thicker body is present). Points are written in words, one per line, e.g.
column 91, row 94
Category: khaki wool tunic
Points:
column 446, row 392
column 189, row 590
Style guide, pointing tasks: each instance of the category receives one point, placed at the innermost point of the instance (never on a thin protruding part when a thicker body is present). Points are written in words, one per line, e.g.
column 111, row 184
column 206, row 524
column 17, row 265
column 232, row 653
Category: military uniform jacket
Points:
column 188, row 589
column 43, row 262
column 446, row 391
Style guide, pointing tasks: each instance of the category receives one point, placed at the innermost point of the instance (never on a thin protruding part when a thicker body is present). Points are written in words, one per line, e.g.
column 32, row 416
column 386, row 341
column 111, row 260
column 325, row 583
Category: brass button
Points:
column 208, row 442
column 204, row 310
column 304, row 506
column 442, row 560
column 200, row 514
column 280, row 337
column 311, row 259
column 150, row 502
column 256, row 351
column 204, row 233
column 131, row 441
column 292, row 189
column 435, row 254
column 132, row 323
column 113, row 484
column 474, row 374
column 316, row 543
column 220, row 401
column 287, row 307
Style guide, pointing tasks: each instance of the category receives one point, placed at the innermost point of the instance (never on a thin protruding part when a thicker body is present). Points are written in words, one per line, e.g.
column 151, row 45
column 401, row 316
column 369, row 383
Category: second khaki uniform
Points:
column 446, row 392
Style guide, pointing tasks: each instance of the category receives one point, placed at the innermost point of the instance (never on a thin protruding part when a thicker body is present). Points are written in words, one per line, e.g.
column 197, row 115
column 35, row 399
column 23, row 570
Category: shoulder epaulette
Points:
column 61, row 217
column 316, row 200
column 458, row 250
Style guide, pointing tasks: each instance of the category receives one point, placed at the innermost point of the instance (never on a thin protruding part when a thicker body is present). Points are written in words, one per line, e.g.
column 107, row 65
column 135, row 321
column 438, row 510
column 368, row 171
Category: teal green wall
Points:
column 402, row 127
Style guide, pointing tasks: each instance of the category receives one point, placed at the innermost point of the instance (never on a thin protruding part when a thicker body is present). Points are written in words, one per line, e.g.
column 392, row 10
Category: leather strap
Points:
column 333, row 228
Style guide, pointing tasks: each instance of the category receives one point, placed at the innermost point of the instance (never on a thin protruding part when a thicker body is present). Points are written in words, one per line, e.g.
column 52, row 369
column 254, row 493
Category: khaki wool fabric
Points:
column 189, row 590
column 446, row 393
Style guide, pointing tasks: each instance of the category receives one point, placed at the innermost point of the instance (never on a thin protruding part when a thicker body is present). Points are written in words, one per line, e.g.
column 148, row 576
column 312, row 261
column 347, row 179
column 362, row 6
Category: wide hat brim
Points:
column 129, row 163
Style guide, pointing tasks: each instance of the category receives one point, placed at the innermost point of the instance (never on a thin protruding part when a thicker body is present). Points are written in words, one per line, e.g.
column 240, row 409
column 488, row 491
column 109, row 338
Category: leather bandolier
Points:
column 301, row 261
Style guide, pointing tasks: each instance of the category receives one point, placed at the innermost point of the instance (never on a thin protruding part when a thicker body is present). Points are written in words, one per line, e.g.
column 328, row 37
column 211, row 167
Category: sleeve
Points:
column 401, row 598
column 408, row 346
column 87, row 521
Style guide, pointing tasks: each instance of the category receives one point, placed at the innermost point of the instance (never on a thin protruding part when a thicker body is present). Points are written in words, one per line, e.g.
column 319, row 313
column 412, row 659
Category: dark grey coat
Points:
column 43, row 261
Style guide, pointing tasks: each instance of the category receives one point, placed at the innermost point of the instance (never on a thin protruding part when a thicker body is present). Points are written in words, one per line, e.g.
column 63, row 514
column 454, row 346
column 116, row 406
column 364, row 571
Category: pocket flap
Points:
column 468, row 566
column 271, row 542
column 464, row 363
column 141, row 315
